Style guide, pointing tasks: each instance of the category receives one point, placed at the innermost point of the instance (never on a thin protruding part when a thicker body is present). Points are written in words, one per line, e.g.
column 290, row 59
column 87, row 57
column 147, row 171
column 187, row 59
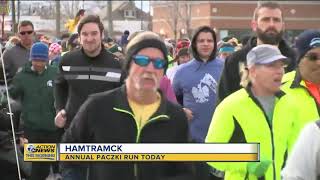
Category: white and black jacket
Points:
column 80, row 75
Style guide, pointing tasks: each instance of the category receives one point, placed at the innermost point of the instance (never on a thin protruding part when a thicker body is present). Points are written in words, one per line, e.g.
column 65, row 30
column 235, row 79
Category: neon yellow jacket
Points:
column 239, row 118
column 308, row 109
column 170, row 58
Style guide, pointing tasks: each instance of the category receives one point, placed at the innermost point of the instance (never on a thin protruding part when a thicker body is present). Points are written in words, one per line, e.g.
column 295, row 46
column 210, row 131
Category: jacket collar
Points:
column 278, row 94
column 103, row 50
column 28, row 68
column 121, row 102
column 22, row 47
column 297, row 81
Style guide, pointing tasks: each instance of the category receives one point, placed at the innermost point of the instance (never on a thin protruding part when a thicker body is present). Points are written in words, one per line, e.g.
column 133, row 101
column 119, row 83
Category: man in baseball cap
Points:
column 253, row 113
column 263, row 55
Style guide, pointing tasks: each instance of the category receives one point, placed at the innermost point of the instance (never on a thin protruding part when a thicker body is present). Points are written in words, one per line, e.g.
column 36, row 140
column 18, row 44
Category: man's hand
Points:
column 23, row 141
column 188, row 113
column 60, row 119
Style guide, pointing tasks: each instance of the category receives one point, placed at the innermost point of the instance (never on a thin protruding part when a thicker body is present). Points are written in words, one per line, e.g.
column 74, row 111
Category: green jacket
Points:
column 308, row 109
column 36, row 94
column 240, row 118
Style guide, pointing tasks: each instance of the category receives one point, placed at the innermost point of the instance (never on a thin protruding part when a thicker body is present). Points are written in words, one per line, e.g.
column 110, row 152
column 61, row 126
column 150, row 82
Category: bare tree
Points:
column 57, row 18
column 171, row 17
column 110, row 20
column 178, row 16
column 69, row 8
column 13, row 16
column 185, row 17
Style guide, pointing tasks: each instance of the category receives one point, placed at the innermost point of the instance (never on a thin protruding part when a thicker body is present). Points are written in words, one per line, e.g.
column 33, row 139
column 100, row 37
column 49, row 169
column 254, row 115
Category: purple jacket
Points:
column 167, row 90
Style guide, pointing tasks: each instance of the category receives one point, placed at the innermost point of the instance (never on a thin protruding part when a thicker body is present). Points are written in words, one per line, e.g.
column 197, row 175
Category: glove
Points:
column 258, row 168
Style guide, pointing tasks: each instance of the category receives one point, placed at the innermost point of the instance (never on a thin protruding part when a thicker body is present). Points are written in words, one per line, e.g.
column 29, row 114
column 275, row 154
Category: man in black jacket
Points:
column 134, row 113
column 85, row 71
column 90, row 69
column 268, row 25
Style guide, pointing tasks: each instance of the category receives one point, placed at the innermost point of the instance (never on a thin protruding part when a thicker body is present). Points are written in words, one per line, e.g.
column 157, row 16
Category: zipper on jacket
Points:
column 135, row 168
column 135, row 165
column 272, row 142
column 271, row 132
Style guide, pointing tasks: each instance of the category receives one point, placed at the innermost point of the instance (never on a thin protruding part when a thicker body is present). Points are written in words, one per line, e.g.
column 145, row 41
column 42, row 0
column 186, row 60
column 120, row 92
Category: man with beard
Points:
column 134, row 113
column 269, row 26
column 90, row 69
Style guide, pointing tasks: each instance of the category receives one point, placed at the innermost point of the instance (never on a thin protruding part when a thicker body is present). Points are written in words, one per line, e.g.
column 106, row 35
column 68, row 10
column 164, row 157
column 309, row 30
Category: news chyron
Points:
column 40, row 152
column 210, row 152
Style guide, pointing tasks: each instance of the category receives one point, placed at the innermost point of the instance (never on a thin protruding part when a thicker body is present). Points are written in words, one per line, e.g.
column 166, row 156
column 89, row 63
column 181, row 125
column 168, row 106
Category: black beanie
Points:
column 306, row 41
column 142, row 40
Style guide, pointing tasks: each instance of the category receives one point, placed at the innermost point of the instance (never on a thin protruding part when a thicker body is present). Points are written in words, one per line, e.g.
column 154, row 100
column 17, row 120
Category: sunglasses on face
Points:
column 25, row 32
column 145, row 60
column 312, row 56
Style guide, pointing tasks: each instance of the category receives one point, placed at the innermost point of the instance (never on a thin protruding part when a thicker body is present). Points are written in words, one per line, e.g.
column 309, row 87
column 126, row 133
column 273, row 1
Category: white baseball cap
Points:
column 264, row 54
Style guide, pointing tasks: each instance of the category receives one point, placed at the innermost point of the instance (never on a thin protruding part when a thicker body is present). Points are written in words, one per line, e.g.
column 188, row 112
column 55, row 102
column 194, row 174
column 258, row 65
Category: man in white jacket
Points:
column 304, row 161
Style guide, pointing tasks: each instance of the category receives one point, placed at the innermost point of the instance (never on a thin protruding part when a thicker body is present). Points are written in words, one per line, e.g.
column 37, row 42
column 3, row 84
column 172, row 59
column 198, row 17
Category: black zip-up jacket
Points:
column 230, row 78
column 107, row 118
column 80, row 75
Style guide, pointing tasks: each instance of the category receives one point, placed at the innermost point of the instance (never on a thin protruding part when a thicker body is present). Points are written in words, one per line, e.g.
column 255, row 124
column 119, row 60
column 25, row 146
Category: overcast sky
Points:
column 145, row 5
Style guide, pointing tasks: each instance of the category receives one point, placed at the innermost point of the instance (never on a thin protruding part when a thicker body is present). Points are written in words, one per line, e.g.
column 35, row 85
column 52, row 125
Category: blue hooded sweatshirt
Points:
column 195, row 85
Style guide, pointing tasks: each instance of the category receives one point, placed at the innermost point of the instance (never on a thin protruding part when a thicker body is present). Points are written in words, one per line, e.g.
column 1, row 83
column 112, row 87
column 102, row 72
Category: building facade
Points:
column 228, row 17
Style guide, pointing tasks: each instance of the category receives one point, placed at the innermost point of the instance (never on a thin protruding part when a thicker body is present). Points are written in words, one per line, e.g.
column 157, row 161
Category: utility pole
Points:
column 18, row 9
column 110, row 20
column 57, row 18
column 13, row 13
column 149, row 18
column 3, row 11
column 141, row 16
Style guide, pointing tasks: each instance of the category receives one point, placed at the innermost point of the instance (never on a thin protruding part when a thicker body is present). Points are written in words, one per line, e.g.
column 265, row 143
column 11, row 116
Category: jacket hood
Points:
column 284, row 48
column 194, row 47
column 283, row 45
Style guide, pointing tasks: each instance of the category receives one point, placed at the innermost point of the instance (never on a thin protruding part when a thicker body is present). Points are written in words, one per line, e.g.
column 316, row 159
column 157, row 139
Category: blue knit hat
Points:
column 306, row 41
column 39, row 51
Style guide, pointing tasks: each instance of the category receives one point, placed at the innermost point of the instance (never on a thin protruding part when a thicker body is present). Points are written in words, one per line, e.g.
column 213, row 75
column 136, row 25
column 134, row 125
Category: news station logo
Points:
column 40, row 152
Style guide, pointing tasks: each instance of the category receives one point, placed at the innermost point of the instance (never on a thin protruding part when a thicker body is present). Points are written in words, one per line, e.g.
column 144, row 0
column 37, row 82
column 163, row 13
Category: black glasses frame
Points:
column 25, row 32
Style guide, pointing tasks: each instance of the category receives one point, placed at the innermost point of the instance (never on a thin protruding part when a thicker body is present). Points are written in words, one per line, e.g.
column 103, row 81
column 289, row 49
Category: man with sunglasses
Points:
column 304, row 83
column 18, row 55
column 134, row 113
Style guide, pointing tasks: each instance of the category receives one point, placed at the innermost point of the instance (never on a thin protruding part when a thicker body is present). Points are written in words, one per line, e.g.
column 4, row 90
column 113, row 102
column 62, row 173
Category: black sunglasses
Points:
column 312, row 56
column 25, row 32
